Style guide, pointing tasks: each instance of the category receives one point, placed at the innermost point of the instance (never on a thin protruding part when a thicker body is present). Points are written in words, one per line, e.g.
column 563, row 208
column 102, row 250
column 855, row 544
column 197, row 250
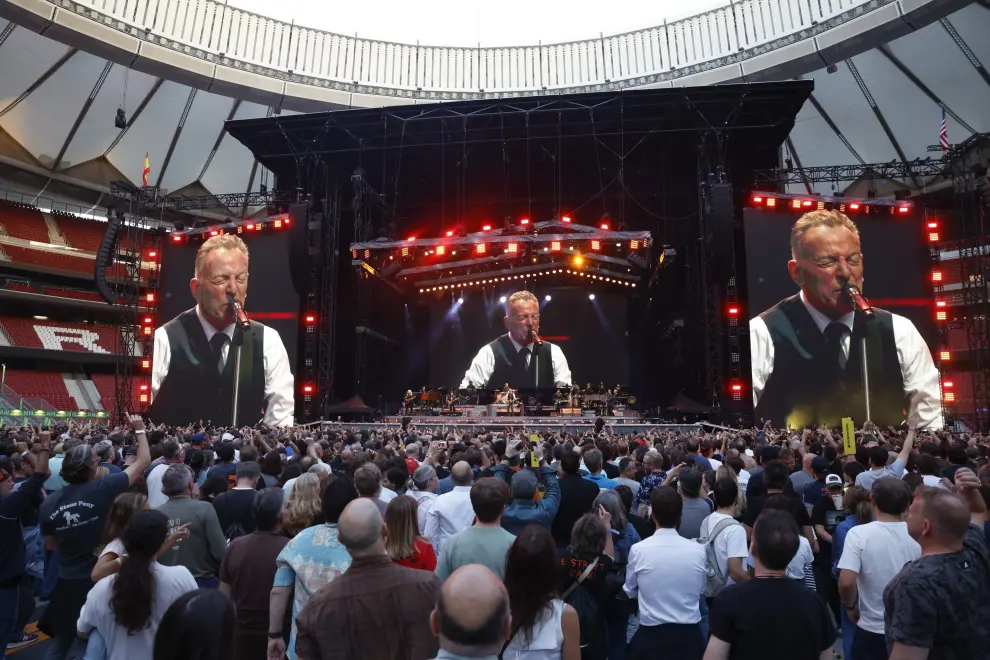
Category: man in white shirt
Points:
column 191, row 375
column 814, row 333
column 872, row 555
column 172, row 453
column 452, row 512
column 729, row 542
column 667, row 573
column 519, row 358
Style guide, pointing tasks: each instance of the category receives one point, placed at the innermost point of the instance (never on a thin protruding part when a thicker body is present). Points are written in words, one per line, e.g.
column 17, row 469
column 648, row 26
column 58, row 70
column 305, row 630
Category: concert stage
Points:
column 574, row 425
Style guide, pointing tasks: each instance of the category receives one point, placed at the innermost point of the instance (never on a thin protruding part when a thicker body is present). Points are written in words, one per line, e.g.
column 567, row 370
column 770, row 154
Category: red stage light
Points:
column 486, row 228
column 941, row 314
column 771, row 202
column 147, row 320
column 596, row 245
column 736, row 387
column 441, row 250
column 807, row 203
column 143, row 388
column 249, row 227
column 147, row 330
column 146, row 364
column 903, row 209
column 757, row 199
column 933, row 237
column 524, row 221
column 411, row 239
column 795, row 203
column 854, row 206
column 176, row 238
column 604, row 226
column 144, row 398
column 936, row 276
column 150, row 297
column 940, row 303
column 733, row 311
column 945, row 356
column 308, row 389
column 310, row 319
column 947, row 384
column 949, row 397
column 932, row 224
column 152, row 254
column 634, row 244
column 480, row 248
column 278, row 224
column 555, row 246
column 214, row 233
column 450, row 233
column 513, row 248
column 566, row 218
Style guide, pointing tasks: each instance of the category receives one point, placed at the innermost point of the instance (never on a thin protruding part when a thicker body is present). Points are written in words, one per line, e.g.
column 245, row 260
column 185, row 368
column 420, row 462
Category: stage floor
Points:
column 580, row 425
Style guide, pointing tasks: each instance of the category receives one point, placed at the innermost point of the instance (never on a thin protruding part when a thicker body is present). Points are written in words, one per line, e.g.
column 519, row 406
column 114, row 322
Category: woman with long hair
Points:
column 726, row 471
column 859, row 511
column 198, row 626
column 543, row 626
column 623, row 535
column 126, row 608
column 304, row 507
column 271, row 468
column 111, row 548
column 404, row 544
column 213, row 487
column 591, row 546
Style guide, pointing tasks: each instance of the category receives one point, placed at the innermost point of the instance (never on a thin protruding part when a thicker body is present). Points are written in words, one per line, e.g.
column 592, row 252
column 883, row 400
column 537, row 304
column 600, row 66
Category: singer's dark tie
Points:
column 834, row 334
column 524, row 356
column 216, row 346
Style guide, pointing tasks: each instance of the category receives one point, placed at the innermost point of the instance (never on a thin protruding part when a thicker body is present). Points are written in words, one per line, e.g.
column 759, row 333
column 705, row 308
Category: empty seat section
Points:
column 79, row 233
column 105, row 386
column 34, row 385
column 23, row 222
column 59, row 336
column 50, row 259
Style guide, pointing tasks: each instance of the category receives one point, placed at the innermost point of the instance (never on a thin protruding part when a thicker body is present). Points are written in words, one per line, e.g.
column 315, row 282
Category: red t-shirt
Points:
column 411, row 465
column 423, row 557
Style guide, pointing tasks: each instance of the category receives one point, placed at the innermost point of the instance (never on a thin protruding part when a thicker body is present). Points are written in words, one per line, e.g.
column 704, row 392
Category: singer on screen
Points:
column 192, row 373
column 519, row 357
column 806, row 349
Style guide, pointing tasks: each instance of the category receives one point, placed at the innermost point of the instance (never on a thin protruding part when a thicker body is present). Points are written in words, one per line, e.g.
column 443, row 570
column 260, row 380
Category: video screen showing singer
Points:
column 191, row 375
column 519, row 357
column 806, row 354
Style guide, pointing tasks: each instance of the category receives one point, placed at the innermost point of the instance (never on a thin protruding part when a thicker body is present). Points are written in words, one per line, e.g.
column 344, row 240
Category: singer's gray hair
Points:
column 813, row 220
column 221, row 242
column 520, row 296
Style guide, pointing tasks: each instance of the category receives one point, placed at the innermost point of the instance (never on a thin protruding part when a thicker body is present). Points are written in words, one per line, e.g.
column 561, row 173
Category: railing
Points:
column 221, row 34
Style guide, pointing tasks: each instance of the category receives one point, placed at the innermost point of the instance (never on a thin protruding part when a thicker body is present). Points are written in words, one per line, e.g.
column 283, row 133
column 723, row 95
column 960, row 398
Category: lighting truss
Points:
column 928, row 167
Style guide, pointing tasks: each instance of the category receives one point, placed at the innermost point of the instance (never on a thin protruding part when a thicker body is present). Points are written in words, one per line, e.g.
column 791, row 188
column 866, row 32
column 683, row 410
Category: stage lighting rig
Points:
column 120, row 120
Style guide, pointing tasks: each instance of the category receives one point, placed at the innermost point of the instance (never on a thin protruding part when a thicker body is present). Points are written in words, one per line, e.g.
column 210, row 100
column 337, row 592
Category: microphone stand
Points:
column 866, row 375
column 235, row 346
column 864, row 310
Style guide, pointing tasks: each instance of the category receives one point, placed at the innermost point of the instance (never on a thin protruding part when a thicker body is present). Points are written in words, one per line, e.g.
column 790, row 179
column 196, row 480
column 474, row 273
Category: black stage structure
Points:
column 672, row 162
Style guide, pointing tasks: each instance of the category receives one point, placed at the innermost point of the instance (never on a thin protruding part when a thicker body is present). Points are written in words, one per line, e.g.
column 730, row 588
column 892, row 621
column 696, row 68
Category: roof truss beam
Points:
column 966, row 50
column 41, row 80
column 82, row 114
column 176, row 134
column 893, row 59
column 835, row 128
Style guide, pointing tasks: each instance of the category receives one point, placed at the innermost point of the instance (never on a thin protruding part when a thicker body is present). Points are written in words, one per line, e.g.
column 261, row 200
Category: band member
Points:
column 407, row 401
column 519, row 356
column 806, row 355
column 192, row 375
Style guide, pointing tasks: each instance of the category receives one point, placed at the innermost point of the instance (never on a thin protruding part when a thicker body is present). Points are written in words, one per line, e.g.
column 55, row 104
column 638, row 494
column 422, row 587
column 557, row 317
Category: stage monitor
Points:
column 589, row 327
column 271, row 299
column 806, row 343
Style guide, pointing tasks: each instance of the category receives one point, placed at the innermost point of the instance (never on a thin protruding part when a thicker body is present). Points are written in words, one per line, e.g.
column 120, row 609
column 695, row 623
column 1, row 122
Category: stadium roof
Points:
column 57, row 107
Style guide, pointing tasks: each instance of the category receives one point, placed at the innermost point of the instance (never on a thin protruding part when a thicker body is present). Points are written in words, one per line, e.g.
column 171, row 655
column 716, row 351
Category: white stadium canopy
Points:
column 883, row 72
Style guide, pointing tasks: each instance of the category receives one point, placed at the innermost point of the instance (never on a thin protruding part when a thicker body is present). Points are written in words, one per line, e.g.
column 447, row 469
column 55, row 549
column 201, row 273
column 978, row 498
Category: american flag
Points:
column 943, row 135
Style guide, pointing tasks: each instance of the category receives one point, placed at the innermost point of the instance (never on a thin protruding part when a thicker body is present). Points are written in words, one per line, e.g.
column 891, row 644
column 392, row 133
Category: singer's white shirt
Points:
column 484, row 364
column 918, row 370
column 279, row 384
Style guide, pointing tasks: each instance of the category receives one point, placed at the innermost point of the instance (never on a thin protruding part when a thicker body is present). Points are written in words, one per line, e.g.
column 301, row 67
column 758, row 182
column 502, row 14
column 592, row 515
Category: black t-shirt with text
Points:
column 75, row 516
column 754, row 507
column 772, row 619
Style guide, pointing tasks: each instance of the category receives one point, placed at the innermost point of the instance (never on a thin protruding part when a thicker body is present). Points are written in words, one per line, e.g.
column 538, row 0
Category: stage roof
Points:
column 751, row 115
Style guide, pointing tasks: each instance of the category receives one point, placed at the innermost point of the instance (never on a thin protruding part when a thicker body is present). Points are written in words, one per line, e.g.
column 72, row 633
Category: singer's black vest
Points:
column 194, row 390
column 510, row 366
column 804, row 389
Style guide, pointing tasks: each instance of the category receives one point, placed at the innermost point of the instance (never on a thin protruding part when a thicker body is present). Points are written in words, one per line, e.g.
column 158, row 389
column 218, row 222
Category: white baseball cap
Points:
column 833, row 480
column 226, row 436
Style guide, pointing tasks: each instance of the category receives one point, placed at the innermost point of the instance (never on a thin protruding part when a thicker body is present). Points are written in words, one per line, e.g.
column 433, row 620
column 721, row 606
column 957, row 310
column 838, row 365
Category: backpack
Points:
column 715, row 581
column 590, row 617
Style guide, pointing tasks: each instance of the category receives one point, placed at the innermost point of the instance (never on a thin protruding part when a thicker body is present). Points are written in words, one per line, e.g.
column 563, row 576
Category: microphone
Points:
column 535, row 337
column 239, row 316
column 859, row 302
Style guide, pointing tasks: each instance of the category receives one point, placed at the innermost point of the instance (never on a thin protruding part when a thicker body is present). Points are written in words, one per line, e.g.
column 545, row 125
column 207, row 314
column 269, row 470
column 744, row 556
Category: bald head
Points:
column 461, row 474
column 472, row 614
column 938, row 516
column 361, row 528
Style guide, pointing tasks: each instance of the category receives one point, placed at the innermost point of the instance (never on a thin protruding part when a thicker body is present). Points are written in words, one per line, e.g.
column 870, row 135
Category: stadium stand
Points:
column 59, row 336
column 105, row 386
column 22, row 221
column 35, row 385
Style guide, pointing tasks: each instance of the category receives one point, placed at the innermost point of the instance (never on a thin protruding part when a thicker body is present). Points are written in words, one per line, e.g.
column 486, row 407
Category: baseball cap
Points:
column 523, row 484
column 819, row 465
column 833, row 481
column 198, row 438
column 226, row 437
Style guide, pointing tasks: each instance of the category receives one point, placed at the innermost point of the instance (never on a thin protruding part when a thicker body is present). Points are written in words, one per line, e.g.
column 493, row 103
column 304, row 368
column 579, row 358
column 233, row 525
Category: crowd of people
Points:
column 307, row 543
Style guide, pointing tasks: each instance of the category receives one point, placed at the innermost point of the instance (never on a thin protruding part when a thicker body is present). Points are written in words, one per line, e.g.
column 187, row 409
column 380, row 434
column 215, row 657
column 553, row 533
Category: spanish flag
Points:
column 147, row 171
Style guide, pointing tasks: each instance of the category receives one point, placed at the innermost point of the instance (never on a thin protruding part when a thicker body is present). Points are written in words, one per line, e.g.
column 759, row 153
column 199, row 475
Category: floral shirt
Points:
column 311, row 560
column 650, row 481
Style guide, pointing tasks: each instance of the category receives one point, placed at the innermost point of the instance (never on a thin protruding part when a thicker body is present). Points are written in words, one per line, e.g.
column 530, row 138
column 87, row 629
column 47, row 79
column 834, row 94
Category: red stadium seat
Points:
column 23, row 222
column 105, row 386
column 59, row 336
column 33, row 386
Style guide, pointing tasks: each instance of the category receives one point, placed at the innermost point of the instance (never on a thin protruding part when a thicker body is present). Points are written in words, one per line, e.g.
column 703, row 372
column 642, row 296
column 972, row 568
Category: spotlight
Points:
column 502, row 299
column 547, row 298
column 460, row 301
column 591, row 296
